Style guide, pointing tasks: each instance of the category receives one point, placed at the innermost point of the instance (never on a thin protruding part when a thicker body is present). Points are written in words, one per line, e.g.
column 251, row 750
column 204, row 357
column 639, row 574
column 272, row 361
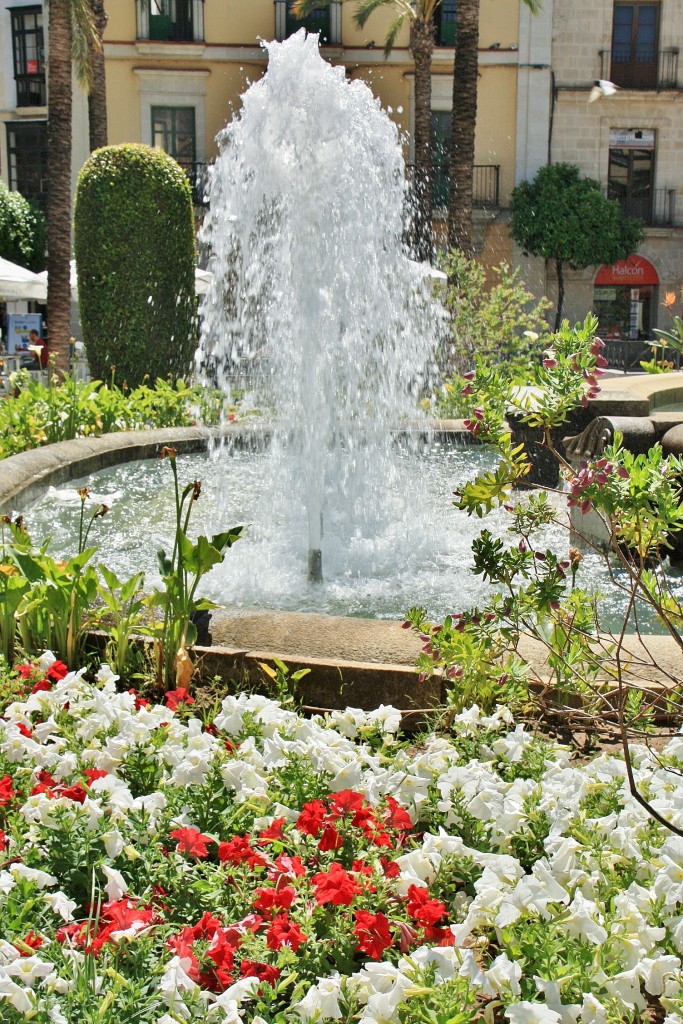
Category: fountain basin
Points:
column 355, row 662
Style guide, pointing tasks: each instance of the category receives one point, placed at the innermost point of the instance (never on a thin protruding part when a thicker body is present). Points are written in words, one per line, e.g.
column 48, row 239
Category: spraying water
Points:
column 313, row 300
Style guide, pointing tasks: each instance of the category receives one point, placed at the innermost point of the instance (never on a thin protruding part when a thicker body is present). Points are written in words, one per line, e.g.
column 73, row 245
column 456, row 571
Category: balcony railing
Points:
column 485, row 186
column 172, row 21
column 31, row 90
column 647, row 69
column 656, row 210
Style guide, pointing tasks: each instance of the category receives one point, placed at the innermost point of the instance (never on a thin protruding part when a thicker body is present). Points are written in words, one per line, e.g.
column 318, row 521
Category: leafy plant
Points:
column 135, row 254
column 181, row 574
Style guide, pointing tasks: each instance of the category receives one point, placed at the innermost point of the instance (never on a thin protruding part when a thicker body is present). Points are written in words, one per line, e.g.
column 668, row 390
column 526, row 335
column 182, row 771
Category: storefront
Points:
column 624, row 298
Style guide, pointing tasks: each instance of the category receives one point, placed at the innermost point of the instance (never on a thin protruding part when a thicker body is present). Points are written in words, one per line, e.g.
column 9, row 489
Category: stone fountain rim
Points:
column 381, row 670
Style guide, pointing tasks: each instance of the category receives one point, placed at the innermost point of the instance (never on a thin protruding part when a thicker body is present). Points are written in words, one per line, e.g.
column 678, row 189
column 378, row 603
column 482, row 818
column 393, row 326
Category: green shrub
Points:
column 135, row 253
column 22, row 230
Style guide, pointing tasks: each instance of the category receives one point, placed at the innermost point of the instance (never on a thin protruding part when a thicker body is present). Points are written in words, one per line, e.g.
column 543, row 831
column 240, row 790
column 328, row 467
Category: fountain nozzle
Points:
column 315, row 565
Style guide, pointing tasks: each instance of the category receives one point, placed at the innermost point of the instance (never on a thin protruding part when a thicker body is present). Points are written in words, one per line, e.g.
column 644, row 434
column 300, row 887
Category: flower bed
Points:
column 261, row 866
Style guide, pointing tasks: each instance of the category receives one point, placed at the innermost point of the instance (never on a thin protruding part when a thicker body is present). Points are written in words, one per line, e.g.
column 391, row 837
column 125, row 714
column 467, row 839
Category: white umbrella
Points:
column 17, row 283
column 202, row 280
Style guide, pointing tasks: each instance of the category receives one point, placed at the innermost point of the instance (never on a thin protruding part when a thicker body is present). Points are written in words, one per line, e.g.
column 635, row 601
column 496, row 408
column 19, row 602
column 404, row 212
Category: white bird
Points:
column 602, row 88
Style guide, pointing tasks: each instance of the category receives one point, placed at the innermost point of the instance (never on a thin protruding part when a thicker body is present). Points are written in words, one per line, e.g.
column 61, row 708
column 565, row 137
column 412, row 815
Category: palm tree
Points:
column 461, row 161
column 420, row 14
column 97, row 97
column 71, row 33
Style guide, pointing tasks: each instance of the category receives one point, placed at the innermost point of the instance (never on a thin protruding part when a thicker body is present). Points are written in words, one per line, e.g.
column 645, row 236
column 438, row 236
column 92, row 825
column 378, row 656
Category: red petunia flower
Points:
column 191, row 841
column 373, row 933
column 176, row 697
column 24, row 730
column 42, row 684
column 274, row 831
column 31, row 940
column 286, row 867
column 6, row 791
column 311, row 817
column 26, row 670
column 3, row 841
column 335, row 886
column 396, row 816
column 389, row 867
column 284, row 932
column 239, row 851
column 346, row 802
column 330, row 839
column 92, row 774
column 271, row 899
column 264, row 972
column 140, row 702
column 75, row 793
column 57, row 671
column 422, row 908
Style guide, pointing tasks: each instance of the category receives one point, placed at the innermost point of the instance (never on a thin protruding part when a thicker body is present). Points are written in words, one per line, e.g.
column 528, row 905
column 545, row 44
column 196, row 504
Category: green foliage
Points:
column 23, row 231
column 536, row 592
column 135, row 252
column 492, row 317
column 562, row 216
column 38, row 414
column 181, row 573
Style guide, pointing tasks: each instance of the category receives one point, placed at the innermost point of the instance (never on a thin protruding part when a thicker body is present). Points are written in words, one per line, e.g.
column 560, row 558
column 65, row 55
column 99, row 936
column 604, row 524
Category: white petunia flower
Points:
column 321, row 1002
column 525, row 1012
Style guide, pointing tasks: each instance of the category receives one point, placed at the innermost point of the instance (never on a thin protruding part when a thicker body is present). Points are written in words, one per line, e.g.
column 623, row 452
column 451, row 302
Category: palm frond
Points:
column 84, row 36
column 392, row 32
column 535, row 6
column 302, row 8
column 367, row 7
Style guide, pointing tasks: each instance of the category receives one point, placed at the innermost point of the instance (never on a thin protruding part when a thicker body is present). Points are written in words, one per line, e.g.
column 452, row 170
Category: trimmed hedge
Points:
column 23, row 231
column 135, row 254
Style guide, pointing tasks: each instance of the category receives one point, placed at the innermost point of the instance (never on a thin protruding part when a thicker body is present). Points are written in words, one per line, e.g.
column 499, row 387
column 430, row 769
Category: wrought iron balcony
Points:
column 485, row 186
column 656, row 210
column 175, row 21
column 646, row 69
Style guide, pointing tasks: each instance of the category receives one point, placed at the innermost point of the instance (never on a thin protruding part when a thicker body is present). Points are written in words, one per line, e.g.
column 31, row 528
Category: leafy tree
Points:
column 135, row 254
column 563, row 217
column 420, row 15
column 71, row 33
column 22, row 230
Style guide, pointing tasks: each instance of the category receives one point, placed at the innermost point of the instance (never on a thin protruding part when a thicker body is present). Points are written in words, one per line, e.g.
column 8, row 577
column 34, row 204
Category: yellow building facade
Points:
column 176, row 70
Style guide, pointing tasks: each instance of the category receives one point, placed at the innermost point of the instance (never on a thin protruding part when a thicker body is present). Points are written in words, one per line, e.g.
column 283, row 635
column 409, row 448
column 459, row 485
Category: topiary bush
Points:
column 22, row 230
column 135, row 254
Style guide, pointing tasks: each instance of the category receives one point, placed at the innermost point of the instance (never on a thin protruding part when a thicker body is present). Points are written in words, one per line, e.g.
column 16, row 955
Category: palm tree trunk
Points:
column 97, row 97
column 560, row 293
column 421, row 46
column 463, row 127
column 59, row 193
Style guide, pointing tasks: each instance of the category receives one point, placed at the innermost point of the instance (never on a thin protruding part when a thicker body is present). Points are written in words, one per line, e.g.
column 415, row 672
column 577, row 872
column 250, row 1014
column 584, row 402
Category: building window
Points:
column 173, row 130
column 631, row 171
column 324, row 20
column 27, row 159
column 635, row 44
column 441, row 142
column 445, row 23
column 176, row 21
column 29, row 56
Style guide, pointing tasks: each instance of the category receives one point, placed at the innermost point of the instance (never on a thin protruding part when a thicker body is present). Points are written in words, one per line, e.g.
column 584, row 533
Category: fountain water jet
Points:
column 313, row 299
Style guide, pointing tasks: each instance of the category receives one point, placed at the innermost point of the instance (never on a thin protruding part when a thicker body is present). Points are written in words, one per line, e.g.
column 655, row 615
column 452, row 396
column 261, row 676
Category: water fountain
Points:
column 313, row 300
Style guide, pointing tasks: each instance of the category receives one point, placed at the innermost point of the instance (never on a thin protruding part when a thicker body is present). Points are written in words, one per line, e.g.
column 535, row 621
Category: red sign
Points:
column 31, row 67
column 630, row 273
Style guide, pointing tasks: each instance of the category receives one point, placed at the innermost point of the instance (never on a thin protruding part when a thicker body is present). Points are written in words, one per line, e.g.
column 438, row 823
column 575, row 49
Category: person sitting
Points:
column 39, row 347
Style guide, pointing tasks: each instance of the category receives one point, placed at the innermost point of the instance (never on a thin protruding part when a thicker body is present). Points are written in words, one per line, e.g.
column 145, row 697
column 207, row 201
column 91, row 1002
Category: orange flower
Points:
column 670, row 300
